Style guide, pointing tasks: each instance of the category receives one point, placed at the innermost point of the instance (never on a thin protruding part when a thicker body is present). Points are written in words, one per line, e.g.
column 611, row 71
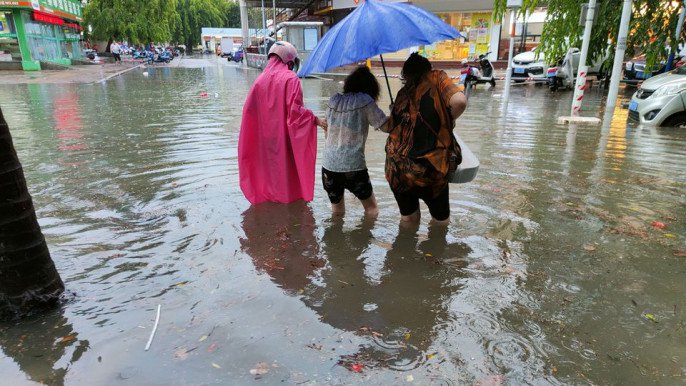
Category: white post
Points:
column 619, row 56
column 264, row 30
column 508, row 75
column 245, row 31
column 274, row 22
column 580, row 86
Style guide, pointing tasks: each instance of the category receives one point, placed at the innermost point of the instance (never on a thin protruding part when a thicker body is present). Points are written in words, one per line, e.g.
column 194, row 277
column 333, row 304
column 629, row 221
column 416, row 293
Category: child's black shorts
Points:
column 357, row 182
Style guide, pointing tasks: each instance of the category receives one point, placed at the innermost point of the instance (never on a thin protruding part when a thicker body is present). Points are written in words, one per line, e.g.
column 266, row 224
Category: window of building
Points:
column 475, row 27
column 9, row 44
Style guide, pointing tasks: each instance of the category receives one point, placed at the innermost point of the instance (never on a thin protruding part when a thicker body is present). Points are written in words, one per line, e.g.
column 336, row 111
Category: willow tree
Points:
column 193, row 15
column 28, row 278
column 652, row 30
column 132, row 20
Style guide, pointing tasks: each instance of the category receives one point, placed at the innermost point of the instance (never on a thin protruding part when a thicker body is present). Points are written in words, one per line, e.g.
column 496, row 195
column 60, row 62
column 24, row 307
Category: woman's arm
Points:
column 457, row 103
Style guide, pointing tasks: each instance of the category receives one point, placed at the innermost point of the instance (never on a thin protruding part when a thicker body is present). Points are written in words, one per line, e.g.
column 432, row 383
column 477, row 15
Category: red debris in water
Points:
column 203, row 94
column 659, row 225
column 356, row 367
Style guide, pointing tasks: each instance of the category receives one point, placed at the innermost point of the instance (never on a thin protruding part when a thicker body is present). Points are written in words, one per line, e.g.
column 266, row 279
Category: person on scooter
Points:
column 420, row 144
column 277, row 144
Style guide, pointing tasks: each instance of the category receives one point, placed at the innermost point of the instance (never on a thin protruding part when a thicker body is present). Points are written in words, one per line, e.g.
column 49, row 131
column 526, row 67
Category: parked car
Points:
column 660, row 100
column 635, row 70
column 525, row 65
column 559, row 76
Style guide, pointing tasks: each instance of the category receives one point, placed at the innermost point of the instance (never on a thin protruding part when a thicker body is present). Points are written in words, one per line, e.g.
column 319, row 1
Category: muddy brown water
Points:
column 551, row 271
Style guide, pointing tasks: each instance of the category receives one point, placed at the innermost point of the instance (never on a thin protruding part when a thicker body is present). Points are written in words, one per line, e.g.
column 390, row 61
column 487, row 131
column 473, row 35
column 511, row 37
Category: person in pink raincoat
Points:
column 277, row 146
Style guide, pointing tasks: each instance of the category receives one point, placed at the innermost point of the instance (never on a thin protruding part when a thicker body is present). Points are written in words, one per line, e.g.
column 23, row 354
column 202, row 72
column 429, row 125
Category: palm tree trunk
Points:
column 28, row 278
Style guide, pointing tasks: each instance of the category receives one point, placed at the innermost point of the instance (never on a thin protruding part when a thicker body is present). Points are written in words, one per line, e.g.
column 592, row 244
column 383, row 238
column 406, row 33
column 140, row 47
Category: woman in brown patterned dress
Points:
column 420, row 141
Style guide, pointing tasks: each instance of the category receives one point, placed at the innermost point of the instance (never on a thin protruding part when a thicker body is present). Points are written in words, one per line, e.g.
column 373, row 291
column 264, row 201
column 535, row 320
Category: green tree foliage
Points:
column 196, row 14
column 133, row 20
column 652, row 29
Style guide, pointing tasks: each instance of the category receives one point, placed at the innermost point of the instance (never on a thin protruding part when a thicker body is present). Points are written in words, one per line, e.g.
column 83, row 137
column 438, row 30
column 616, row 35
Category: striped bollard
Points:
column 579, row 91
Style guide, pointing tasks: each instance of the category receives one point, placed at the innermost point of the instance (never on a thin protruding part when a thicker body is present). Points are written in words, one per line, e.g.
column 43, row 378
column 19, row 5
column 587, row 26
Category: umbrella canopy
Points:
column 376, row 28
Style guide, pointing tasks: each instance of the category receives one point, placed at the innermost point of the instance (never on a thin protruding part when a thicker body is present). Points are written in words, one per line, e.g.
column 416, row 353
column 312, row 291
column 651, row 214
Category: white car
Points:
column 661, row 100
column 526, row 66
column 559, row 76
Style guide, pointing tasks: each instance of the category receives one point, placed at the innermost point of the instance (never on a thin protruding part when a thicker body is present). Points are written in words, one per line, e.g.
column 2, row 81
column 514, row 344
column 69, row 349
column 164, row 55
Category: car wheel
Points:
column 676, row 120
column 492, row 82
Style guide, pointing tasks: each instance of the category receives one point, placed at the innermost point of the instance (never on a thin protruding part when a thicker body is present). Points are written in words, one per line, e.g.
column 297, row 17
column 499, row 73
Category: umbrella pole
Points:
column 383, row 65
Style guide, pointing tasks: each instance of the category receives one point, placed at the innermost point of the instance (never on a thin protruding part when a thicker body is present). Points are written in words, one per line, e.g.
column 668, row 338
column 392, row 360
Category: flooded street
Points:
column 551, row 272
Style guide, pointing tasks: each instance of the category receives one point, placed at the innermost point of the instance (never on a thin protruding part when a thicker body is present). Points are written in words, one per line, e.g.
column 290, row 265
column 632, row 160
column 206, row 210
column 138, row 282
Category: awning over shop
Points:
column 298, row 4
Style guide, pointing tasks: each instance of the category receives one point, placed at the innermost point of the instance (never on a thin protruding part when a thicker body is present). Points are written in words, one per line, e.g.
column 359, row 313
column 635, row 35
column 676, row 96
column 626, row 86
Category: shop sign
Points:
column 64, row 8
column 341, row 4
column 70, row 9
column 45, row 18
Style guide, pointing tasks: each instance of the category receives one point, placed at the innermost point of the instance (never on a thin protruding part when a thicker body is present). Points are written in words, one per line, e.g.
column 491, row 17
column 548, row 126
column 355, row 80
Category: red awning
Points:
column 47, row 18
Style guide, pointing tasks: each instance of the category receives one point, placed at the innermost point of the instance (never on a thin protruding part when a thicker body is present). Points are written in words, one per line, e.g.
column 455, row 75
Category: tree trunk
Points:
column 28, row 278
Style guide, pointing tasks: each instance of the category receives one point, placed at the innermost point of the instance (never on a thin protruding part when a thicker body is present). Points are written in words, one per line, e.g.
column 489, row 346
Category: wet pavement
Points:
column 564, row 262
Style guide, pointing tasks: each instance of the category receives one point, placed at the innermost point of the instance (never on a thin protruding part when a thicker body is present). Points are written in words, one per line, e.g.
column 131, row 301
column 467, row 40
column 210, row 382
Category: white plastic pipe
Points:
column 619, row 56
column 508, row 75
column 583, row 68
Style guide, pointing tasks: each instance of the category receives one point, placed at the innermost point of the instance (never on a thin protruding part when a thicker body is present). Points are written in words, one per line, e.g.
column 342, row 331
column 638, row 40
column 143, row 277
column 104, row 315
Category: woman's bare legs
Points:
column 411, row 219
column 371, row 209
column 338, row 209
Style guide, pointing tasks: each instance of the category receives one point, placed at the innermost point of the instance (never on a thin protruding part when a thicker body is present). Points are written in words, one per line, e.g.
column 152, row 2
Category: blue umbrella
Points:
column 375, row 28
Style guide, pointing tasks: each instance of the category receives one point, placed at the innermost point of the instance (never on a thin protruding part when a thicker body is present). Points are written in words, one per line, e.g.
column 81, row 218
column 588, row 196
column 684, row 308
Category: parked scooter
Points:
column 472, row 75
column 164, row 57
column 235, row 56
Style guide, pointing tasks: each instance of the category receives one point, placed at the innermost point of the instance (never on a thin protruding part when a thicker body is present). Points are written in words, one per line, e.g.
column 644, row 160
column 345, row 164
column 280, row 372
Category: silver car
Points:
column 661, row 100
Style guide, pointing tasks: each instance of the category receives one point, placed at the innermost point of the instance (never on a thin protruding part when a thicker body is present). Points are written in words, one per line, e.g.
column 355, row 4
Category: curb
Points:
column 103, row 80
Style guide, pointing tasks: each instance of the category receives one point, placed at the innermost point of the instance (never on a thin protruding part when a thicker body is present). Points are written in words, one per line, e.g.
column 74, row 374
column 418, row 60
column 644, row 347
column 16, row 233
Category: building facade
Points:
column 38, row 31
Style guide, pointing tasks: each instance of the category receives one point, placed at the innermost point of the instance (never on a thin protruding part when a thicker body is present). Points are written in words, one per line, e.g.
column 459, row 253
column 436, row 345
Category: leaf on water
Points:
column 589, row 247
column 212, row 348
column 650, row 317
column 181, row 354
column 408, row 336
column 428, row 255
column 681, row 253
column 409, row 378
column 260, row 369
column 202, row 338
column 68, row 338
column 670, row 235
column 430, row 356
column 216, row 366
column 659, row 224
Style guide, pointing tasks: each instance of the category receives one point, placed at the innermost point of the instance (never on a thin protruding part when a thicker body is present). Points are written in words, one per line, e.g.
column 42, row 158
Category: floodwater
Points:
column 554, row 270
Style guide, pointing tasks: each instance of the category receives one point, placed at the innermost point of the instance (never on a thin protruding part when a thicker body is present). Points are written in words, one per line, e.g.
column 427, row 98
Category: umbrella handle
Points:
column 383, row 65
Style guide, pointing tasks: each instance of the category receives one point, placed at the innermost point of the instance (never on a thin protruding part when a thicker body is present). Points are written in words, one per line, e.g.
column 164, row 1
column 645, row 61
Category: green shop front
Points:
column 38, row 31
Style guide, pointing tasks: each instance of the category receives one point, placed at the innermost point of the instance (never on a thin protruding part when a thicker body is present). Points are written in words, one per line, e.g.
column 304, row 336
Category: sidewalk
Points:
column 76, row 74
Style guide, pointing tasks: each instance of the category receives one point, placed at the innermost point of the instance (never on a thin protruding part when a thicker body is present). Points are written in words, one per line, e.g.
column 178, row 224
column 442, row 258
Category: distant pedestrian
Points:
column 349, row 115
column 420, row 144
column 277, row 145
column 115, row 49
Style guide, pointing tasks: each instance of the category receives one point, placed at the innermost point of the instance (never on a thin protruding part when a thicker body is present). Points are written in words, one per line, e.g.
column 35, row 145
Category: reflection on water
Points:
column 546, row 274
column 43, row 348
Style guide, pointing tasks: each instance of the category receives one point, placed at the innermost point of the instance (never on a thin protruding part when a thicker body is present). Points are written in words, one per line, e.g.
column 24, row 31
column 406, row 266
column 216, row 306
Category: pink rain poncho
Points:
column 277, row 146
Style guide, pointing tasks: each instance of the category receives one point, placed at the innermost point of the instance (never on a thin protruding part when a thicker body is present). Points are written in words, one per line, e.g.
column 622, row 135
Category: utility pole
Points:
column 580, row 86
column 619, row 57
column 245, row 28
column 514, row 5
column 679, row 25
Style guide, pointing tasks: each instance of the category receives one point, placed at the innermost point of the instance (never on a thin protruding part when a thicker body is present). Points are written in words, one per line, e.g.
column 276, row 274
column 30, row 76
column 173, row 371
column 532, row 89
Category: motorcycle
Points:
column 472, row 75
column 235, row 56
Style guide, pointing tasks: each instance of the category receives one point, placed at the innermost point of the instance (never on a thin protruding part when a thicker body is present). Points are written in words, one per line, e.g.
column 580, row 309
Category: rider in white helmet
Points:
column 286, row 52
